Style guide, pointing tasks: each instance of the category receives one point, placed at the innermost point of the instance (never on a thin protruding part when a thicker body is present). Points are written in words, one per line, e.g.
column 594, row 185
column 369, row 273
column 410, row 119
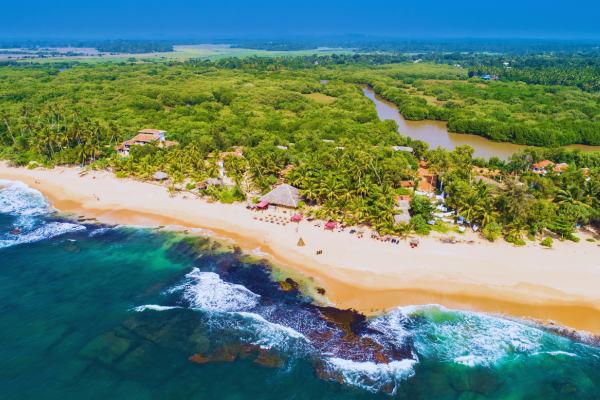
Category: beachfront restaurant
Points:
column 284, row 196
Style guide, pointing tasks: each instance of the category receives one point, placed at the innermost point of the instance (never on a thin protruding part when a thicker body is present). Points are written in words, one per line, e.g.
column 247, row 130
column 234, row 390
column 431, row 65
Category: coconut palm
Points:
column 572, row 195
column 485, row 213
column 517, row 229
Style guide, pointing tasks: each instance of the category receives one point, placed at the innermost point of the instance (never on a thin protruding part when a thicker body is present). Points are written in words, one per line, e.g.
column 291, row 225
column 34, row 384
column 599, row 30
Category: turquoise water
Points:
column 96, row 312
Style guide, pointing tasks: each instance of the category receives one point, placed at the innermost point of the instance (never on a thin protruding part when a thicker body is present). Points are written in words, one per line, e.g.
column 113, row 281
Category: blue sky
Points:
column 574, row 19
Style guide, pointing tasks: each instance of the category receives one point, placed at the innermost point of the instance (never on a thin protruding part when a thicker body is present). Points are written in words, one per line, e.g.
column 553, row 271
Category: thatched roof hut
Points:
column 402, row 218
column 159, row 176
column 215, row 181
column 283, row 195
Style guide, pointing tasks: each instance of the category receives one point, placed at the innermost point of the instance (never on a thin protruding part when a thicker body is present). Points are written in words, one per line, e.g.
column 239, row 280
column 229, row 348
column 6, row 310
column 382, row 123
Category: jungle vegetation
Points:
column 76, row 116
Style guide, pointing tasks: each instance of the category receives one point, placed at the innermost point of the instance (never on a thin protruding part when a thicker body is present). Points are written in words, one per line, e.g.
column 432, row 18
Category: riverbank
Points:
column 370, row 276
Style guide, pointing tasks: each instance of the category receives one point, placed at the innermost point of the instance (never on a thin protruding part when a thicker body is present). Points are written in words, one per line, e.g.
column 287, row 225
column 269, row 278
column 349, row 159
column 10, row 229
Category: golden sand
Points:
column 561, row 284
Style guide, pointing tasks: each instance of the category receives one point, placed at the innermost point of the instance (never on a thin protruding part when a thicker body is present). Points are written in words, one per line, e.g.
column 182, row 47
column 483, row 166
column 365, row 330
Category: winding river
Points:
column 436, row 132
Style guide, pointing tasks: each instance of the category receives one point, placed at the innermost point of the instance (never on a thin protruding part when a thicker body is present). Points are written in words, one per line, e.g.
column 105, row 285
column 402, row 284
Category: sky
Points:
column 169, row 19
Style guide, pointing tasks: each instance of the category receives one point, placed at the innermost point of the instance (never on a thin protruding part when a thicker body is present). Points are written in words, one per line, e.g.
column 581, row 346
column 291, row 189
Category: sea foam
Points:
column 371, row 376
column 44, row 231
column 16, row 198
column 469, row 338
column 207, row 291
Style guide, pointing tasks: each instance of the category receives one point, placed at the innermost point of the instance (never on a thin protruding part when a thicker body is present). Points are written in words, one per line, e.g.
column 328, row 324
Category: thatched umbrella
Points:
column 159, row 176
column 300, row 242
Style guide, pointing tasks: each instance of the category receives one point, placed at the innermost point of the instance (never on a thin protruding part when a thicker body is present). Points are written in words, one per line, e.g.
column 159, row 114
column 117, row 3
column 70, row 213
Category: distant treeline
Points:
column 276, row 46
column 108, row 46
column 360, row 44
column 433, row 46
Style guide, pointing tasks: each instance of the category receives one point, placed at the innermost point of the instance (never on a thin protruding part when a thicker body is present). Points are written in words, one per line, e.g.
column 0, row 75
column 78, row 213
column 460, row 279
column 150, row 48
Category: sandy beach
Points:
column 559, row 284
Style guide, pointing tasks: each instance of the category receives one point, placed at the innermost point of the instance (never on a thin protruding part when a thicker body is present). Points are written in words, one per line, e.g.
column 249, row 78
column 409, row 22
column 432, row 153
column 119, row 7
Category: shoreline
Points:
column 369, row 276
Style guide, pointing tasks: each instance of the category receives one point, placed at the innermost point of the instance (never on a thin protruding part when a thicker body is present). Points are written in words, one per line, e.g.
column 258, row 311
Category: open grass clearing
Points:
column 320, row 97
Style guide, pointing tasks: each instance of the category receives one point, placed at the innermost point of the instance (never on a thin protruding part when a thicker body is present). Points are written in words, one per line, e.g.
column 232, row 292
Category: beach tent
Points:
column 331, row 225
column 262, row 205
column 296, row 217
column 300, row 242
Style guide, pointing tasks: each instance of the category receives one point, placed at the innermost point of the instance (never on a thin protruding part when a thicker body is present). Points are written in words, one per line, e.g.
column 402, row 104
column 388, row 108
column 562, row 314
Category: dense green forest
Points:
column 76, row 116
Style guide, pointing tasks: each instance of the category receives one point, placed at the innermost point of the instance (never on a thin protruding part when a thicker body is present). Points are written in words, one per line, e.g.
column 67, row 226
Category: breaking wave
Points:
column 206, row 291
column 470, row 338
column 16, row 198
column 44, row 231
column 371, row 376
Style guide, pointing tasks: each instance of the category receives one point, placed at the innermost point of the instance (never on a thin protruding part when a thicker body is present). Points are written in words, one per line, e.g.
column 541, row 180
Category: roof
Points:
column 330, row 224
column 407, row 184
column 402, row 218
column 262, row 204
column 296, row 217
column 143, row 137
column 403, row 148
column 560, row 167
column 486, row 179
column 543, row 164
column 283, row 195
column 215, row 181
column 152, row 131
column 167, row 143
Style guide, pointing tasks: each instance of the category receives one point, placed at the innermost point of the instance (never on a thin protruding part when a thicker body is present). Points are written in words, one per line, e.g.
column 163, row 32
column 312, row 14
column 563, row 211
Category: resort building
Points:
column 283, row 195
column 237, row 153
column 540, row 168
column 144, row 137
column 403, row 148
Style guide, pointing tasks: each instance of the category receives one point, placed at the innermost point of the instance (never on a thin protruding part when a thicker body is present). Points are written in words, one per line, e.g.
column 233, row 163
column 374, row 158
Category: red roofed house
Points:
column 560, row 167
column 540, row 168
column 144, row 137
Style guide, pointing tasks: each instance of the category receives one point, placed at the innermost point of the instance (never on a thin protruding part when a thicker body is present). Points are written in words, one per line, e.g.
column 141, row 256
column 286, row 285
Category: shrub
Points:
column 301, row 205
column 547, row 242
column 32, row 166
column 531, row 237
column 440, row 227
column 590, row 240
column 492, row 231
column 421, row 227
column 190, row 186
column 515, row 241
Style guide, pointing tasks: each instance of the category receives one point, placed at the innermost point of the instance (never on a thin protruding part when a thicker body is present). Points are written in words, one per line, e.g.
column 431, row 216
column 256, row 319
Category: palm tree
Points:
column 484, row 212
column 404, row 229
column 310, row 191
column 5, row 118
column 517, row 229
column 572, row 195
column 469, row 208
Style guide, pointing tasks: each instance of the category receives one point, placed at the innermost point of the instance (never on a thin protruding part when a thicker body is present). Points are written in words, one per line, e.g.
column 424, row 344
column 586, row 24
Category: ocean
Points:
column 90, row 311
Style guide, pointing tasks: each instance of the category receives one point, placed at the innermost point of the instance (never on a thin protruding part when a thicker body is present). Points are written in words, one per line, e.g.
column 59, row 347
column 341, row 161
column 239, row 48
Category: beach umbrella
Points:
column 300, row 242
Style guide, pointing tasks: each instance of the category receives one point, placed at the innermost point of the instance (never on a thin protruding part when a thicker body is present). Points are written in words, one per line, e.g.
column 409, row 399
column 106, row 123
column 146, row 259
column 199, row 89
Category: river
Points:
column 436, row 132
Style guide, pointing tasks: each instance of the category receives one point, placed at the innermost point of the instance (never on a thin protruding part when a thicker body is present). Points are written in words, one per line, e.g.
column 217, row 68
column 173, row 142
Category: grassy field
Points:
column 320, row 97
column 207, row 51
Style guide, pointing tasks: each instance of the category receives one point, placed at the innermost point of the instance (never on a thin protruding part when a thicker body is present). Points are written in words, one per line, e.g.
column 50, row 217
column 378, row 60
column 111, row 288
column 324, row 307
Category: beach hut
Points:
column 262, row 205
column 283, row 196
column 215, row 181
column 297, row 218
column 160, row 176
column 331, row 225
